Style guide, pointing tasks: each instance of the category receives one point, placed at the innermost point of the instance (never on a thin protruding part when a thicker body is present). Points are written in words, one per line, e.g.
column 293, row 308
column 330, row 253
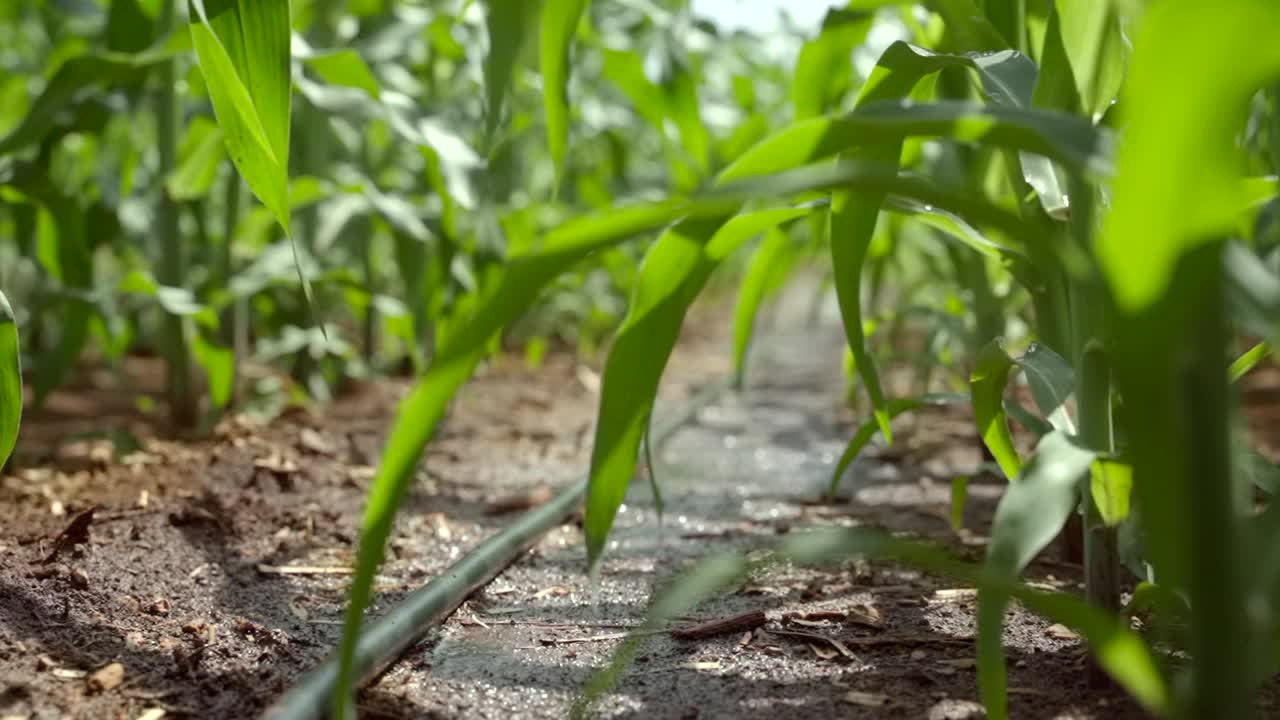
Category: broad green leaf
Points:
column 1188, row 56
column 1066, row 139
column 673, row 273
column 559, row 22
column 868, row 429
column 987, row 382
column 764, row 263
column 1110, row 482
column 345, row 68
column 1052, row 382
column 10, row 381
column 1033, row 510
column 201, row 153
column 1091, row 37
column 243, row 53
column 509, row 23
column 1175, row 197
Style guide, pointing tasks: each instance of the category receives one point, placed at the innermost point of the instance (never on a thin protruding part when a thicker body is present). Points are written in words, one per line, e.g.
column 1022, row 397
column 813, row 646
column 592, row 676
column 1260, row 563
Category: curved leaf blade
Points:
column 559, row 21
column 987, row 382
column 10, row 381
column 673, row 273
column 1032, row 512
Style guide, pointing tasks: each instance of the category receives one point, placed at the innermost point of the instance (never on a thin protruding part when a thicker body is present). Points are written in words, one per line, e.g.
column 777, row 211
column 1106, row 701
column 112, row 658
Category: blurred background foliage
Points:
column 401, row 200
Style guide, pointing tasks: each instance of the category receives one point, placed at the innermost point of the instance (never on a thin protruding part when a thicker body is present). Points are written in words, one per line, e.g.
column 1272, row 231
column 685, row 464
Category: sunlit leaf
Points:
column 243, row 49
column 671, row 276
column 1110, row 483
column 987, row 382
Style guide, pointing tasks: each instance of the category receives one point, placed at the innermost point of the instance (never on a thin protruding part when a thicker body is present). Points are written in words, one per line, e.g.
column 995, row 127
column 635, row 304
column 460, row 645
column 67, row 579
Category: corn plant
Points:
column 1039, row 200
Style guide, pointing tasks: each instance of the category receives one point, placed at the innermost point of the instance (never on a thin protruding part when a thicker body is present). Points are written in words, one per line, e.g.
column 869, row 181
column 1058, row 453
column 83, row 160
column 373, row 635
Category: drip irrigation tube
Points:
column 384, row 639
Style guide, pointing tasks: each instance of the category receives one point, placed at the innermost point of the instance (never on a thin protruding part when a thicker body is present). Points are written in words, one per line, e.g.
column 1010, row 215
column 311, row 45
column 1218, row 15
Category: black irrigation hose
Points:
column 383, row 640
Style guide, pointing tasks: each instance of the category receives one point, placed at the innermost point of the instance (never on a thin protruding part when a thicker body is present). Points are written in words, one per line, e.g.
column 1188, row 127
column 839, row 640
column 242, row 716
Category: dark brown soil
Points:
column 214, row 570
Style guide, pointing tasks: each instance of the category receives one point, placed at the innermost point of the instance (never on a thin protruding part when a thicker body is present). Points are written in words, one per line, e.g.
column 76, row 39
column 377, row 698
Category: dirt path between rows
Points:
column 213, row 573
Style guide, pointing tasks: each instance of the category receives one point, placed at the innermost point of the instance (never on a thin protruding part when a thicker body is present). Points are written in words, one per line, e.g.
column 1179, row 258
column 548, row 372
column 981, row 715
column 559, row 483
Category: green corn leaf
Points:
column 1091, row 39
column 1110, row 482
column 625, row 69
column 345, row 68
column 463, row 343
column 854, row 214
column 682, row 596
column 73, row 77
column 1032, row 512
column 559, row 21
column 1052, row 381
column 673, row 273
column 1175, row 197
column 10, row 381
column 70, row 262
column 1119, row 650
column 987, row 382
column 763, row 267
column 680, row 86
column 243, row 52
column 219, row 365
column 823, row 72
column 1248, row 361
column 201, row 153
column 509, row 23
column 867, row 430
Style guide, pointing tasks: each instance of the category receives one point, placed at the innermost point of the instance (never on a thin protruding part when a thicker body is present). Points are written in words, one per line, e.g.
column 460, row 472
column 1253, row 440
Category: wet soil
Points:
column 214, row 571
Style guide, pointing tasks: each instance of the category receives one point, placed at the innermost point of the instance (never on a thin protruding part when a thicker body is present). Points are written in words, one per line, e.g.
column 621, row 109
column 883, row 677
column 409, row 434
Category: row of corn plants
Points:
column 1092, row 183
column 1108, row 162
column 136, row 134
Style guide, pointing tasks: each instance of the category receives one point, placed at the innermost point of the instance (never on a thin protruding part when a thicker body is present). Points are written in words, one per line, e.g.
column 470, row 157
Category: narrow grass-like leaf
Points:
column 10, row 381
column 987, row 382
column 868, row 429
column 1248, row 361
column 1119, row 650
column 673, row 273
column 1032, row 512
column 823, row 72
column 510, row 23
column 559, row 21
column 751, row 292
